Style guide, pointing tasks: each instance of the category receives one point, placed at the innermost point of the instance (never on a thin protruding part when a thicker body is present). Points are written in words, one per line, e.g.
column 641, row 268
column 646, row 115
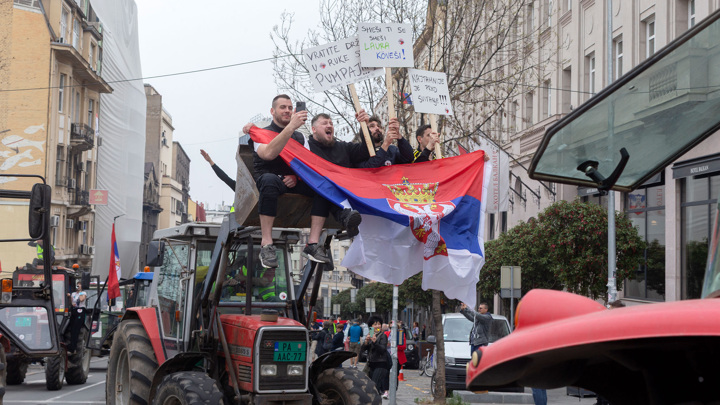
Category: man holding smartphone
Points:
column 274, row 177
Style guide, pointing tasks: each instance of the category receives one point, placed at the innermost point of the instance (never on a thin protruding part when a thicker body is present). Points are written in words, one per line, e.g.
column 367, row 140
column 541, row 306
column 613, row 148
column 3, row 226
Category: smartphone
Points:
column 300, row 106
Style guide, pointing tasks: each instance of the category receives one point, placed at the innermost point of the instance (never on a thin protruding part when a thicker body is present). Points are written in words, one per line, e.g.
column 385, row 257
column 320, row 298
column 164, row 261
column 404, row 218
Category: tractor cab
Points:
column 661, row 353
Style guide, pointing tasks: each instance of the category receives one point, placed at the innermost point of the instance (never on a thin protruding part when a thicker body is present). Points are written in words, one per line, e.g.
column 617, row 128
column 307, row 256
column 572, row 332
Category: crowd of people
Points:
column 273, row 177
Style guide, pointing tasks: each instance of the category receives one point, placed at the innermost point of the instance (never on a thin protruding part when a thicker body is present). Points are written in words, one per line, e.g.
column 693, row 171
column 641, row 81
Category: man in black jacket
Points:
column 426, row 140
column 386, row 153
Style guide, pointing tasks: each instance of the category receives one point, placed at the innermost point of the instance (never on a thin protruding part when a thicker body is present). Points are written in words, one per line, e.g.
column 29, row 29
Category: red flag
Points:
column 461, row 150
column 114, row 272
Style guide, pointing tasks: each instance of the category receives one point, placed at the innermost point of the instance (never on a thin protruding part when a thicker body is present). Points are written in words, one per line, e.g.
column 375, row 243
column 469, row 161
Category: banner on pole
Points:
column 386, row 45
column 500, row 181
column 336, row 64
column 430, row 92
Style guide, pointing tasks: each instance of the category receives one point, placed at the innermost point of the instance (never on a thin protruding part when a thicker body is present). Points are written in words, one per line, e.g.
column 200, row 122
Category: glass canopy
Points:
column 657, row 112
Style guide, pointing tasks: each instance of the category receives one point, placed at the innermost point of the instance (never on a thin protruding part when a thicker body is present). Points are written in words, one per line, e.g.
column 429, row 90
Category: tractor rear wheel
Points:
column 16, row 371
column 131, row 366
column 79, row 363
column 188, row 388
column 55, row 371
column 344, row 386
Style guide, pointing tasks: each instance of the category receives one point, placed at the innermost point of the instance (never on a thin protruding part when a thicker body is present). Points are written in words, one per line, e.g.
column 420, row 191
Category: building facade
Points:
column 53, row 48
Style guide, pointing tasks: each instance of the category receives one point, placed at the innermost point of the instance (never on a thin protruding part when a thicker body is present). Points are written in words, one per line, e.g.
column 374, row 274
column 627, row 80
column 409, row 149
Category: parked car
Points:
column 456, row 331
column 412, row 351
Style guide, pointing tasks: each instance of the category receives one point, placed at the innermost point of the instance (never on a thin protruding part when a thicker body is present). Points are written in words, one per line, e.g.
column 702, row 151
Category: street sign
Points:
column 353, row 295
column 336, row 309
column 505, row 277
column 370, row 305
column 99, row 197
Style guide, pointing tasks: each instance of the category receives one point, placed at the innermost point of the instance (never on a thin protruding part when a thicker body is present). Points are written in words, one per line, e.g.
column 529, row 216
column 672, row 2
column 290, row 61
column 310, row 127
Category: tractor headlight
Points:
column 411, row 347
column 268, row 369
column 295, row 369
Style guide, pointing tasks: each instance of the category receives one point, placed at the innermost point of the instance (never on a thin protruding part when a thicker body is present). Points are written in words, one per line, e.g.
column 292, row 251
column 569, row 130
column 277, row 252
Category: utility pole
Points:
column 611, row 285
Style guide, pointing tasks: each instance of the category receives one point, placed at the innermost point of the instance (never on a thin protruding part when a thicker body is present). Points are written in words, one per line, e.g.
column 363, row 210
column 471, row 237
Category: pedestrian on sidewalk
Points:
column 539, row 396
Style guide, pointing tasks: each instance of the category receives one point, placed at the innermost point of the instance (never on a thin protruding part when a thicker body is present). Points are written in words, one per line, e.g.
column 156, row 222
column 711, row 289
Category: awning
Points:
column 696, row 167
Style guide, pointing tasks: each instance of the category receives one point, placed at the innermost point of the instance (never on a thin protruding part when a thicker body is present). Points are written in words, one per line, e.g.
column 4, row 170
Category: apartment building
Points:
column 53, row 54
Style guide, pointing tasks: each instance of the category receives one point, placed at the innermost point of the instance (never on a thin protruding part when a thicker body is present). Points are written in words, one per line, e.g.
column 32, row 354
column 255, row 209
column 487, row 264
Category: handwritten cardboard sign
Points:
column 336, row 64
column 386, row 45
column 430, row 92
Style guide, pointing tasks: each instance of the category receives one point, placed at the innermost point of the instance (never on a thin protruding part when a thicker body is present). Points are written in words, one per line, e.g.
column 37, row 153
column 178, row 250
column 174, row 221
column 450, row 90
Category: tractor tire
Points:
column 79, row 363
column 131, row 366
column 188, row 388
column 3, row 372
column 344, row 386
column 16, row 370
column 55, row 371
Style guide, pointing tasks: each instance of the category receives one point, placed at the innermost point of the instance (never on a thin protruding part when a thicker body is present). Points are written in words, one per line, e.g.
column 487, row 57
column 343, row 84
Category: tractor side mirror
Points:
column 39, row 214
column 431, row 339
column 155, row 253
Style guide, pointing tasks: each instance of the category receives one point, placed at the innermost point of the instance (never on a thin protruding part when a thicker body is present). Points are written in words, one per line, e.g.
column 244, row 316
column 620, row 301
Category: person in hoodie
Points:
column 386, row 153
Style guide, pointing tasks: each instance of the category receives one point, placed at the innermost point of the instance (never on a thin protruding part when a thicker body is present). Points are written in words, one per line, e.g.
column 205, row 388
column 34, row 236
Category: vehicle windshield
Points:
column 458, row 330
column 658, row 111
column 29, row 324
column 269, row 285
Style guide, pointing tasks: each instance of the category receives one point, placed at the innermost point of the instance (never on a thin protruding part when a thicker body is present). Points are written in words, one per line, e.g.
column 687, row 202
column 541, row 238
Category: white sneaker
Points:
column 385, row 395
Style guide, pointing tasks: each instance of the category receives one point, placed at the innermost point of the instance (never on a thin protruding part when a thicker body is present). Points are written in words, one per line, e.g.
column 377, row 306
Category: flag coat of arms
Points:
column 114, row 273
column 417, row 217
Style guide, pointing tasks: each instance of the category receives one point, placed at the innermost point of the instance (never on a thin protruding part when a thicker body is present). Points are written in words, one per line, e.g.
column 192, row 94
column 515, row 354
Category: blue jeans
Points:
column 473, row 348
column 539, row 396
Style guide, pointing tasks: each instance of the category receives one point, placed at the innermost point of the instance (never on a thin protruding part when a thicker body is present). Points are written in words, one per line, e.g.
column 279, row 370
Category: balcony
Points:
column 82, row 71
column 94, row 28
column 82, row 137
column 82, row 197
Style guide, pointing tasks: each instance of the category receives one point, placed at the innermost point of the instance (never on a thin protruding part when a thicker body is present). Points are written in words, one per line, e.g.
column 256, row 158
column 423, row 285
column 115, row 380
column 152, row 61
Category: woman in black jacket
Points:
column 376, row 345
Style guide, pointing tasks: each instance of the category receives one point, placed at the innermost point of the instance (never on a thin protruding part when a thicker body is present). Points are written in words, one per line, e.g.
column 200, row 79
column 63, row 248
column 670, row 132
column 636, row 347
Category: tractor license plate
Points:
column 290, row 351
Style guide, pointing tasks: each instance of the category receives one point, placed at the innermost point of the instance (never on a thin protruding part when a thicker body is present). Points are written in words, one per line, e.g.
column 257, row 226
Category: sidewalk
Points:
column 417, row 388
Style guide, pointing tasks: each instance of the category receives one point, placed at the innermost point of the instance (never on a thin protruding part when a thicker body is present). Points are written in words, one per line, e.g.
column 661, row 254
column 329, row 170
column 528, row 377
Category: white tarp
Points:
column 122, row 129
column 497, row 198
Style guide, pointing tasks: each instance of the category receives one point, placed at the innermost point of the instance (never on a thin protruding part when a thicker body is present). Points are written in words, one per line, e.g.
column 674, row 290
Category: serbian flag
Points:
column 417, row 217
column 114, row 274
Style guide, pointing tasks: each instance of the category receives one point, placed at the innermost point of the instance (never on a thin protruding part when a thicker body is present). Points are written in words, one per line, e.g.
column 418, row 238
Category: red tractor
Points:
column 664, row 353
column 221, row 328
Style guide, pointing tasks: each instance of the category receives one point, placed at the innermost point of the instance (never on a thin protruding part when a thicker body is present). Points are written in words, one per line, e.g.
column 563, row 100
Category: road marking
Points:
column 76, row 391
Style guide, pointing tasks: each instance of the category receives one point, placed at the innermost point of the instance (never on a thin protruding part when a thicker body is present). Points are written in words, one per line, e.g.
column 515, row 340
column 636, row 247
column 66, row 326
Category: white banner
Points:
column 497, row 200
column 430, row 92
column 386, row 45
column 336, row 64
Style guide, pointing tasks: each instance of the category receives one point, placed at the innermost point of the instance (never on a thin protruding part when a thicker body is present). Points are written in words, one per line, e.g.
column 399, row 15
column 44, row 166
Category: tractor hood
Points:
column 253, row 321
column 565, row 339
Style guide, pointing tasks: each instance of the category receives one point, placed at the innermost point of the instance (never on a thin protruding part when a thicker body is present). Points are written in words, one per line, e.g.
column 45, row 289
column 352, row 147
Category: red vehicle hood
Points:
column 658, row 353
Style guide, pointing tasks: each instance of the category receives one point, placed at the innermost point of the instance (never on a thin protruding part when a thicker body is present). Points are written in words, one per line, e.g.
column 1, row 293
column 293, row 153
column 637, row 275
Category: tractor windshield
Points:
column 268, row 285
column 29, row 325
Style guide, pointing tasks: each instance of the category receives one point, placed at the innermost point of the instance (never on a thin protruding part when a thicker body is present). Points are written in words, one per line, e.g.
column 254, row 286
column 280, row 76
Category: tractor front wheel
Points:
column 55, row 371
column 344, row 386
column 131, row 366
column 188, row 388
column 16, row 371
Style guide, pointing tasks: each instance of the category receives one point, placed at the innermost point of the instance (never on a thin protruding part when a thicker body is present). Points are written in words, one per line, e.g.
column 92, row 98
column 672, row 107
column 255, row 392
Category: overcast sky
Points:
column 209, row 108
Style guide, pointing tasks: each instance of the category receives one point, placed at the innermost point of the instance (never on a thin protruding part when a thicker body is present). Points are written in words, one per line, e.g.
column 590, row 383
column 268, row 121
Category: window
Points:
column 76, row 34
column 566, row 89
column 691, row 13
column 63, row 24
column 618, row 45
column 529, row 17
column 548, row 13
column 61, row 92
column 646, row 211
column 512, row 116
column 528, row 118
column 91, row 106
column 698, row 214
column 76, row 108
column 547, row 89
column 91, row 54
column 589, row 76
column 650, row 37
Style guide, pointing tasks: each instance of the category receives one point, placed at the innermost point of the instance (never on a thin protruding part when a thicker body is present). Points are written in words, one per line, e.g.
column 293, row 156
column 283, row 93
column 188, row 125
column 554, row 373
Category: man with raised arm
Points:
column 386, row 153
column 274, row 178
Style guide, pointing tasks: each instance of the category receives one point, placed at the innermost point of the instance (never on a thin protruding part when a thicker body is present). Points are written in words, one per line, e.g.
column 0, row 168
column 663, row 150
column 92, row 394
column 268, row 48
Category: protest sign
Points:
column 336, row 64
column 430, row 92
column 386, row 45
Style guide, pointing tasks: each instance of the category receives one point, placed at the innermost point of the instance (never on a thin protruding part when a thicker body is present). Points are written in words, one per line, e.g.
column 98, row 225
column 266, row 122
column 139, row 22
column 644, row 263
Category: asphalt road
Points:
column 33, row 390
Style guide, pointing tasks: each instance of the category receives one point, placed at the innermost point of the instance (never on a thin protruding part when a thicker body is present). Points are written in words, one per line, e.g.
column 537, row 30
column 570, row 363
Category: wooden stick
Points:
column 390, row 93
column 363, row 124
column 434, row 127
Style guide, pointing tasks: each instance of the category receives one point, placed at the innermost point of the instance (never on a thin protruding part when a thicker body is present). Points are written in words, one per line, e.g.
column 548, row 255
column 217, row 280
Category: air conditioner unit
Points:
column 54, row 220
column 61, row 40
column 91, row 250
column 72, row 183
column 82, row 225
column 84, row 249
column 69, row 223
